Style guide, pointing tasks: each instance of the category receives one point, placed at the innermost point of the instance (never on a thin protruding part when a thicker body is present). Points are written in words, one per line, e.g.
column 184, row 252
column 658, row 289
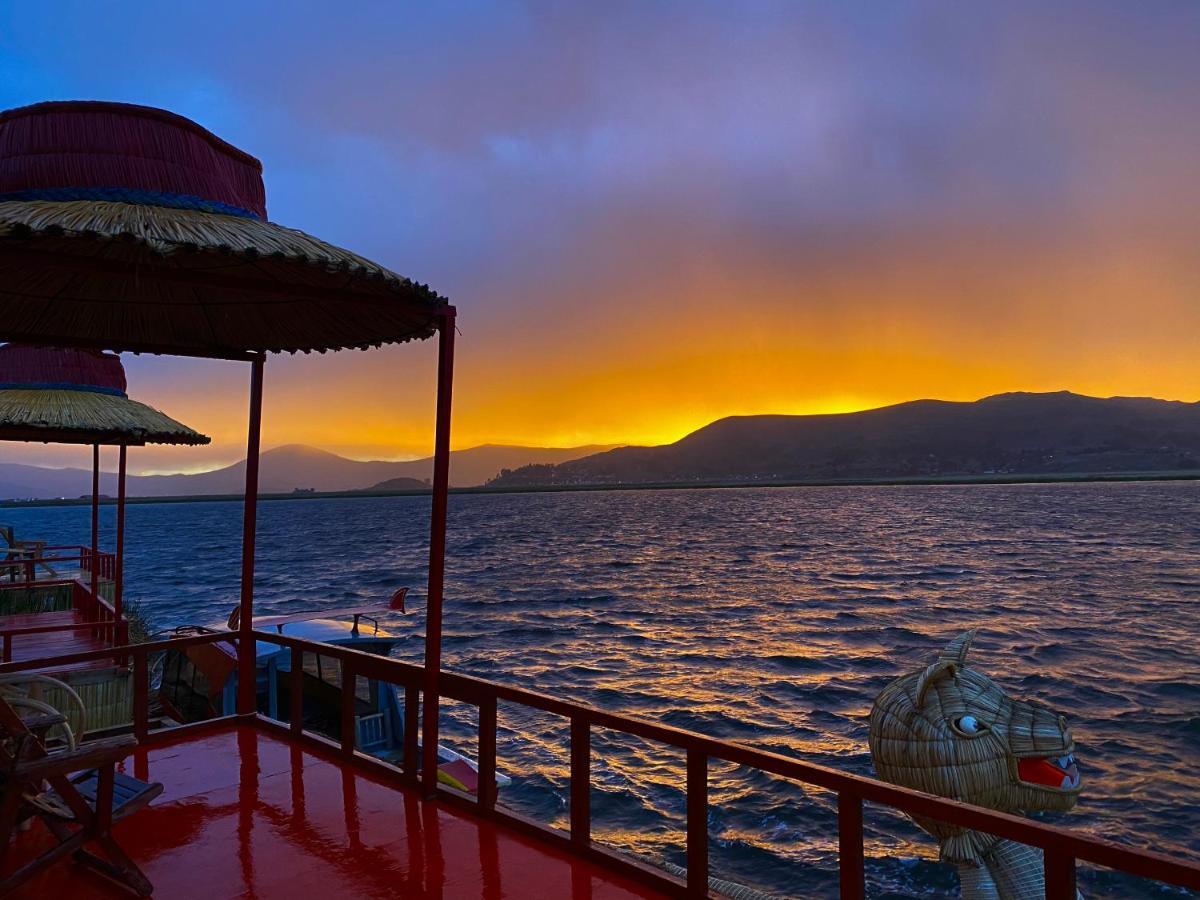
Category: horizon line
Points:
column 602, row 446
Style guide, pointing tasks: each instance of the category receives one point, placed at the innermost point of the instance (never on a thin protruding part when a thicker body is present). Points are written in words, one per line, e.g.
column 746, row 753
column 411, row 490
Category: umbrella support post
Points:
column 437, row 558
column 245, row 692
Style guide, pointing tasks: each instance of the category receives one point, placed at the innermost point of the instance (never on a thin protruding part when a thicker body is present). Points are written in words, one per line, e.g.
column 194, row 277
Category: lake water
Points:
column 770, row 616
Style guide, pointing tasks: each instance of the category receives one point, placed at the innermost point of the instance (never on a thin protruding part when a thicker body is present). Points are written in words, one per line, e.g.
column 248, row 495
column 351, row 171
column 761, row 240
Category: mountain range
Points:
column 286, row 469
column 1007, row 434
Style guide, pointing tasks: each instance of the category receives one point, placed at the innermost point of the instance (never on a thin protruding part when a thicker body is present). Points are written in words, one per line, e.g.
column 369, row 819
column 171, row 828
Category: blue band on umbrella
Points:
column 60, row 386
column 130, row 195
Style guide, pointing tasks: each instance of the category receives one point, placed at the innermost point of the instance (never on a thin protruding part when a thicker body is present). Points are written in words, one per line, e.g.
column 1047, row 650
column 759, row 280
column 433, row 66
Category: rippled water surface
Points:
column 770, row 616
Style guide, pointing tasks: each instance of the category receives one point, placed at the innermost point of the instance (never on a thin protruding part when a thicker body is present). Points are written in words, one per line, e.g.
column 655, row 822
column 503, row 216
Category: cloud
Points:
column 987, row 196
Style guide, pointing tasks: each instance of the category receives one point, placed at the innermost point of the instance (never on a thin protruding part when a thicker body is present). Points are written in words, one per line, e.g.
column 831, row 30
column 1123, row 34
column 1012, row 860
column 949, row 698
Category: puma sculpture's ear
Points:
column 956, row 650
column 951, row 659
column 943, row 668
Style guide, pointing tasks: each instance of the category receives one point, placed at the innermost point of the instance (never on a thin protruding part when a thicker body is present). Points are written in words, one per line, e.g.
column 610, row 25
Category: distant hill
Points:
column 283, row 470
column 1017, row 433
column 469, row 468
column 22, row 481
column 400, row 484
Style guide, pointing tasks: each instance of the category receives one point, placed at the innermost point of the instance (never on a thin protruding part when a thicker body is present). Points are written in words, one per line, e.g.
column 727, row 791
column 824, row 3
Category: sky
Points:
column 651, row 215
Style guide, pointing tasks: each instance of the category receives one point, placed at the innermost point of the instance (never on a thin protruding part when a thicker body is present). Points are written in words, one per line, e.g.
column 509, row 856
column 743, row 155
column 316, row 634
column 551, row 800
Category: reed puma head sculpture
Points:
column 951, row 730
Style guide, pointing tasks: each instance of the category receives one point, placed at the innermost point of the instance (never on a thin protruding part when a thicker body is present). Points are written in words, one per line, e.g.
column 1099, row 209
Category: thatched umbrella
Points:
column 129, row 228
column 68, row 396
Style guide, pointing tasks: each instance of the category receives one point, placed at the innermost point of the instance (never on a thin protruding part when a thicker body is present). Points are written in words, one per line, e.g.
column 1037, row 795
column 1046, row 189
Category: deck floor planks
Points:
column 248, row 814
column 56, row 643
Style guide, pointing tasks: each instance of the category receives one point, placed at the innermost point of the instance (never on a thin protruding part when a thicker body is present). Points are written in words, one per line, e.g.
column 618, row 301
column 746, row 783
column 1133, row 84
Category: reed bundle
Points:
column 102, row 273
column 83, row 417
column 953, row 731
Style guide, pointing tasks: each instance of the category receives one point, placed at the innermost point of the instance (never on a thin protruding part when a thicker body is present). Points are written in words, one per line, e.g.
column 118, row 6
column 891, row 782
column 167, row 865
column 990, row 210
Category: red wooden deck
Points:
column 247, row 814
column 54, row 643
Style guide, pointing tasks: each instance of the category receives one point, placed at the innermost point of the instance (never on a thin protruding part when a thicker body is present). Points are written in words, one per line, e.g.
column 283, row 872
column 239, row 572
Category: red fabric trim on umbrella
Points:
column 21, row 364
column 112, row 146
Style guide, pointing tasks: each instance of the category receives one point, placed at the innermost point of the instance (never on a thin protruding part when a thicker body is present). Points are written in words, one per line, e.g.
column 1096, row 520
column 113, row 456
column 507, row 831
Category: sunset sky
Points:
column 652, row 215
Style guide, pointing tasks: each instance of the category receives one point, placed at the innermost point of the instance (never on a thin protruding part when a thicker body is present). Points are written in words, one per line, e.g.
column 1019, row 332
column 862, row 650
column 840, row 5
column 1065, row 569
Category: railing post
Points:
column 850, row 847
column 141, row 696
column 412, row 720
column 349, row 680
column 581, row 781
column 487, row 752
column 697, row 823
column 1060, row 876
column 296, row 691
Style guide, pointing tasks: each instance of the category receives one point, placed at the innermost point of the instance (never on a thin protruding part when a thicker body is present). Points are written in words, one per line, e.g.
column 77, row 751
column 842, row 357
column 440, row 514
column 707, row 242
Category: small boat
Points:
column 200, row 682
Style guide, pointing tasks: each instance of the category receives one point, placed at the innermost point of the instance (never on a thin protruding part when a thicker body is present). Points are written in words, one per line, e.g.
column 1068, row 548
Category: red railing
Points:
column 138, row 656
column 105, row 563
column 14, row 560
column 95, row 628
column 100, row 613
column 1061, row 846
column 99, row 617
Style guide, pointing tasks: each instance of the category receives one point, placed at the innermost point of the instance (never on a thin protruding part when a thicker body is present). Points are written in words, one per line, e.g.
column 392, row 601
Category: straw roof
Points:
column 165, row 280
column 180, row 258
column 73, row 396
column 84, row 417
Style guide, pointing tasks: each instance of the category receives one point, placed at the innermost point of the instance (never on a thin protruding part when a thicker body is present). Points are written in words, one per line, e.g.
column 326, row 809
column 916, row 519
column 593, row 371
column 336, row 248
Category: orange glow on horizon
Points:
column 887, row 330
column 636, row 346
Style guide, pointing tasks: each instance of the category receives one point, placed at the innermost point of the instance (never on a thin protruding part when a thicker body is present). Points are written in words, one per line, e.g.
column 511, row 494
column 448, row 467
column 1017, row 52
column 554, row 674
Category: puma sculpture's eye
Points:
column 969, row 726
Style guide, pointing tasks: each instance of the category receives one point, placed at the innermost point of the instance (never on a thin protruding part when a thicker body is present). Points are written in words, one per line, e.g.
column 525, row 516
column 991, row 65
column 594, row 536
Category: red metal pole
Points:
column 851, row 872
column 697, row 823
column 581, row 782
column 437, row 556
column 119, row 569
column 94, row 563
column 245, row 699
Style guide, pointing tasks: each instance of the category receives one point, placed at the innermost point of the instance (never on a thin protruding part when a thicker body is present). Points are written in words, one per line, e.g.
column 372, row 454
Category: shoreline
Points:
column 946, row 481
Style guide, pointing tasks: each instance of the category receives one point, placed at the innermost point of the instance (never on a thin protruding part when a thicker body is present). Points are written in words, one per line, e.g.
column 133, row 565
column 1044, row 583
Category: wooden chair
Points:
column 17, row 552
column 77, row 793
